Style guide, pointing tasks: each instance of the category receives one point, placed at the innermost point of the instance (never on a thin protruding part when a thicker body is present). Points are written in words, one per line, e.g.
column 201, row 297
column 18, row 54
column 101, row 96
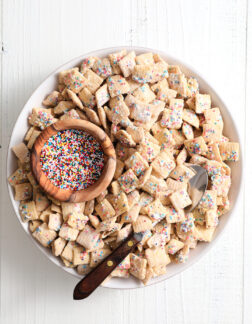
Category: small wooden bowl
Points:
column 67, row 194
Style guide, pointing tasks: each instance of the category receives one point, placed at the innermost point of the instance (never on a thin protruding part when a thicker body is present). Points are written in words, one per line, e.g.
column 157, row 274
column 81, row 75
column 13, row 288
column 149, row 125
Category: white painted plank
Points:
column 39, row 36
column 247, row 318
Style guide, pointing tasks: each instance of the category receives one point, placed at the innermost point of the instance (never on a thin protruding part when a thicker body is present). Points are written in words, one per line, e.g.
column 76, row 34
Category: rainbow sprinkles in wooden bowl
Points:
column 73, row 160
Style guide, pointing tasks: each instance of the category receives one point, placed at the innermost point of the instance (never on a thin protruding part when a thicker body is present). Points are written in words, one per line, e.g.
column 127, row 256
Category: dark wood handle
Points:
column 88, row 284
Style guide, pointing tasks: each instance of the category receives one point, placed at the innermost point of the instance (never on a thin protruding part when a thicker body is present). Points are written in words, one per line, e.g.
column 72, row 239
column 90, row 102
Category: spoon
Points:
column 196, row 189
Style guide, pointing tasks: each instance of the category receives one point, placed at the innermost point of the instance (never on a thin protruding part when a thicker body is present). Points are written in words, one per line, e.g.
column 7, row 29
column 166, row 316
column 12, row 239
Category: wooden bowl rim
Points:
column 68, row 195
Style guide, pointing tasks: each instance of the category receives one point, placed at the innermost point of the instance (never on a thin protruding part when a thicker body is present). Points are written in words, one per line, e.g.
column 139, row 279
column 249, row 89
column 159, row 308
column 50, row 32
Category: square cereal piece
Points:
column 122, row 152
column 163, row 136
column 146, row 58
column 178, row 137
column 221, row 184
column 192, row 87
column 172, row 116
column 144, row 94
column 211, row 133
column 89, row 207
column 127, row 64
column 71, row 114
column 204, row 234
column 133, row 198
column 138, row 110
column 160, row 86
column 202, row 102
column 149, row 151
column 19, row 176
column 136, row 163
column 125, row 138
column 187, row 131
column 28, row 211
column 229, row 151
column 166, row 95
column 163, row 164
column 41, row 201
column 190, row 117
column 157, row 257
column 105, row 210
column 174, row 69
column 58, row 246
column 61, row 108
column 128, row 181
column 88, row 238
column 119, row 109
column 142, row 223
column 138, row 266
column 164, row 197
column 182, row 255
column 52, row 99
column 174, row 216
column 44, row 235
column 137, row 133
column 123, row 233
column 102, row 67
column 115, row 188
column 93, row 80
column 156, row 211
column 83, row 269
column 132, row 214
column 102, row 95
column 180, row 199
column 106, row 225
column 29, row 133
column 23, row 191
column 69, row 207
column 154, row 185
column 98, row 255
column 213, row 152
column 55, row 222
column 115, row 58
column 121, row 204
column 157, row 240
column 68, row 233
column 22, row 153
column 182, row 173
column 196, row 146
column 87, row 63
column 77, row 220
column 174, row 246
column 150, row 73
column 181, row 157
column 33, row 138
column 213, row 116
column 75, row 99
column 117, row 85
column 74, row 81
column 87, row 98
column 178, row 82
column 62, row 74
column 211, row 218
column 80, row 255
column 67, row 253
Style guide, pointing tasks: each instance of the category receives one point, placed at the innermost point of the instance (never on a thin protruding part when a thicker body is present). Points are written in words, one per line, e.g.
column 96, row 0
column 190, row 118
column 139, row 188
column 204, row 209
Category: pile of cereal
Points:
column 158, row 121
column 72, row 159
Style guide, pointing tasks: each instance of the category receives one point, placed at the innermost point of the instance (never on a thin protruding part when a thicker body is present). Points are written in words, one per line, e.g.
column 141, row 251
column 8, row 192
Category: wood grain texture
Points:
column 95, row 189
column 94, row 279
column 213, row 36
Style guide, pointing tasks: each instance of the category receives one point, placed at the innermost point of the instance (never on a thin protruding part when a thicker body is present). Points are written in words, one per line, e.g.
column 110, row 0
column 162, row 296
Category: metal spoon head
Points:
column 197, row 186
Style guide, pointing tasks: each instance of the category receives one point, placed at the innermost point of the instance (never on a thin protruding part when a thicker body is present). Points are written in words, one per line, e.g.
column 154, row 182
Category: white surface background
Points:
column 215, row 37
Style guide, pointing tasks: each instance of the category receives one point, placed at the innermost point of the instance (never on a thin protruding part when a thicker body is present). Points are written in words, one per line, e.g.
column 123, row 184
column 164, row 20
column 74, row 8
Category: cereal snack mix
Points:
column 159, row 122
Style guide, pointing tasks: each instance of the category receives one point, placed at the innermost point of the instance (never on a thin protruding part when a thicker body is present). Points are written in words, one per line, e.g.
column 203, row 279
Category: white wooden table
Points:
column 214, row 36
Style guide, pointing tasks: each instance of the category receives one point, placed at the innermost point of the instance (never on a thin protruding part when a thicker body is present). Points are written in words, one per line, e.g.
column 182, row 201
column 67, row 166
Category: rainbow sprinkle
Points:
column 72, row 159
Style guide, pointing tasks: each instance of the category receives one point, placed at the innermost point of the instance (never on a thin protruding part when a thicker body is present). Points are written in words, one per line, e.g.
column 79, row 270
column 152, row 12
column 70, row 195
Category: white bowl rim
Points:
column 102, row 53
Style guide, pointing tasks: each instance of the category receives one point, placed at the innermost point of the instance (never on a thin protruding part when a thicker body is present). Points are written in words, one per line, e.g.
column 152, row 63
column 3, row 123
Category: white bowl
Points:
column 230, row 130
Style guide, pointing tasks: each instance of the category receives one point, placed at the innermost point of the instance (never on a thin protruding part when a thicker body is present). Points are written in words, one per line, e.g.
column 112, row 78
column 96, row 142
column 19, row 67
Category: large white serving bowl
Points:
column 230, row 131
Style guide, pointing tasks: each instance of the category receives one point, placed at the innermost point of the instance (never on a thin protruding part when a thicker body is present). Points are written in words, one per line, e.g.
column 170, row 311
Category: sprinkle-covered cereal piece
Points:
column 128, row 181
column 202, row 103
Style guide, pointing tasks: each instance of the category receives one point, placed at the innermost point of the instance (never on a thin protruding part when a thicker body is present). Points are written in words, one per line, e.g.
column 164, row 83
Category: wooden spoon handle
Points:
column 88, row 284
